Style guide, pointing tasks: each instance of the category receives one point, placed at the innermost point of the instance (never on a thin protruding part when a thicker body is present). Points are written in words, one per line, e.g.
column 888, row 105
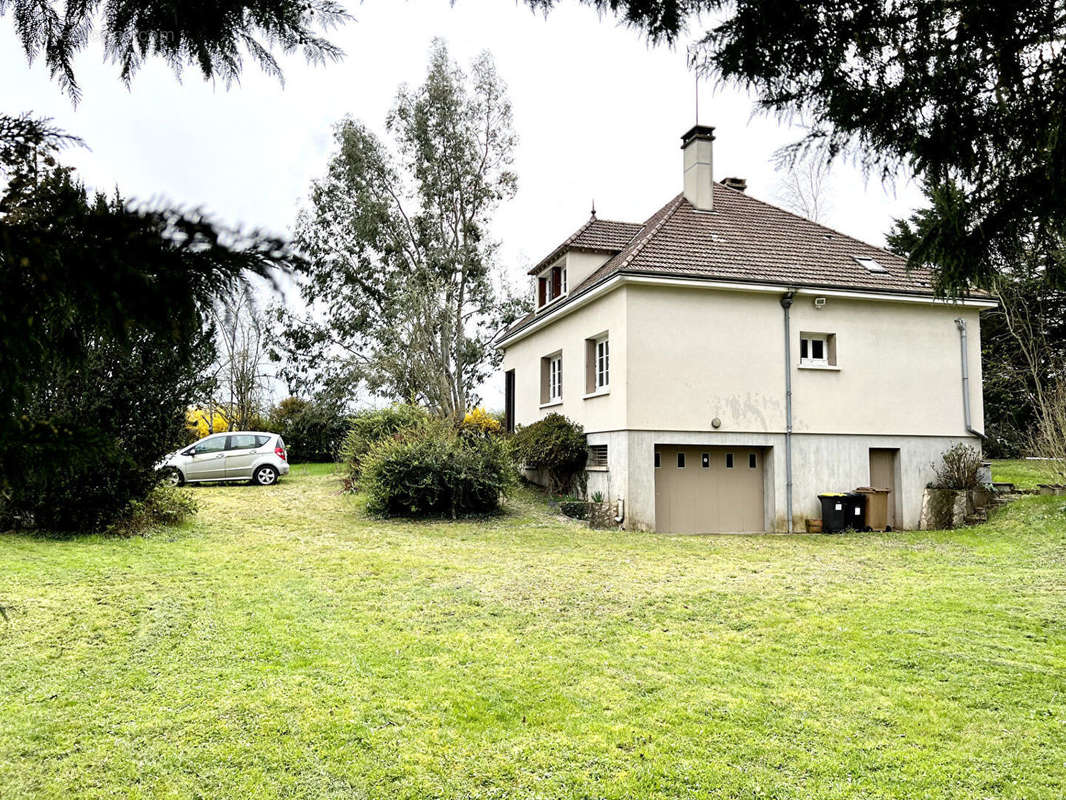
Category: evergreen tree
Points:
column 214, row 36
column 103, row 335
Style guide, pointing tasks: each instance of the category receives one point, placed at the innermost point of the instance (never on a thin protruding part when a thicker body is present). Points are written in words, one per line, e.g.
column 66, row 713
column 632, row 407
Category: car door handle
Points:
column 221, row 455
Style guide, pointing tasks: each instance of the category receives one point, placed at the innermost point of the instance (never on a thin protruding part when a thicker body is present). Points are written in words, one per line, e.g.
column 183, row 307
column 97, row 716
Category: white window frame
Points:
column 555, row 378
column 602, row 365
column 809, row 360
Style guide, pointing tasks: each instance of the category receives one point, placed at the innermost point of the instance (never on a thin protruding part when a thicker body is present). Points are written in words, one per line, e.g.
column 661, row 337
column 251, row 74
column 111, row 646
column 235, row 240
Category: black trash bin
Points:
column 834, row 512
column 855, row 507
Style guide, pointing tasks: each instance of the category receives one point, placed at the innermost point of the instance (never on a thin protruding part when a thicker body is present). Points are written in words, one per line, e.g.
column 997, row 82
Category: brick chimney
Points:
column 697, row 146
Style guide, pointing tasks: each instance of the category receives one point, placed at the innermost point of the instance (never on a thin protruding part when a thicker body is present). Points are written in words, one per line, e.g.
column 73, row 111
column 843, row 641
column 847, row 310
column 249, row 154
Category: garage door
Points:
column 708, row 489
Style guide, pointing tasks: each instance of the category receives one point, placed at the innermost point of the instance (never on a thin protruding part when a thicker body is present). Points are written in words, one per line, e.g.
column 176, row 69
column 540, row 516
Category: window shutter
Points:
column 542, row 287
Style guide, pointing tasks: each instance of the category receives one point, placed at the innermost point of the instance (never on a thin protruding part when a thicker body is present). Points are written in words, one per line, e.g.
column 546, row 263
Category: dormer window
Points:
column 551, row 285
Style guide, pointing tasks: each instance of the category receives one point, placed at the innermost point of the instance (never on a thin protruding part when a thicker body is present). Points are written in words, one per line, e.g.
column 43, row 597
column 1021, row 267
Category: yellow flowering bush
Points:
column 478, row 420
column 200, row 423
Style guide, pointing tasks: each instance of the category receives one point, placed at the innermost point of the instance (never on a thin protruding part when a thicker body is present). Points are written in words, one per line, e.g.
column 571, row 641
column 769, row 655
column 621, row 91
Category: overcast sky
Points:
column 598, row 112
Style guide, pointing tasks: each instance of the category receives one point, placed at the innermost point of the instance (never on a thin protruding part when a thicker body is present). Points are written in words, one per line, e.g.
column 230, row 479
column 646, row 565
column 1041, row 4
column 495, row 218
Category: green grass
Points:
column 1024, row 474
column 305, row 470
column 283, row 645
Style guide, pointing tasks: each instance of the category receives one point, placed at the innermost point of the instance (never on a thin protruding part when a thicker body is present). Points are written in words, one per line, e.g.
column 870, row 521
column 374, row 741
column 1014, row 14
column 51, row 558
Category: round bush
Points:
column 555, row 446
column 431, row 470
column 371, row 426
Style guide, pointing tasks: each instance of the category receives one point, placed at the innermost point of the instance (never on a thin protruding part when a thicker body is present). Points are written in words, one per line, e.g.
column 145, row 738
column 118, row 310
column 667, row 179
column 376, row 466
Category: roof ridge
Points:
column 634, row 250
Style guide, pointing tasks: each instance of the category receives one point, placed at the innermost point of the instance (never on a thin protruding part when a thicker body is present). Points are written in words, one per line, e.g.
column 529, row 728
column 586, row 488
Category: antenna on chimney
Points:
column 697, row 99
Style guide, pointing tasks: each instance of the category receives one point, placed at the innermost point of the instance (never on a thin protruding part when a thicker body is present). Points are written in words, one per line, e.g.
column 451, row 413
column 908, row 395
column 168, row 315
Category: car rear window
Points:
column 244, row 441
column 261, row 440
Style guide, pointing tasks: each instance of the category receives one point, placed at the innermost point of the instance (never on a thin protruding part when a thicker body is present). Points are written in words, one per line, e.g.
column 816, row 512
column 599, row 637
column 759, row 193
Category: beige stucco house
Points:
column 730, row 360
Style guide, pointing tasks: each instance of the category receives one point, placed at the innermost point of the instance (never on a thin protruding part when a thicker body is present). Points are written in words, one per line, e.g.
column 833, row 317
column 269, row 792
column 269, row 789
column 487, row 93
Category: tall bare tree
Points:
column 805, row 188
column 241, row 371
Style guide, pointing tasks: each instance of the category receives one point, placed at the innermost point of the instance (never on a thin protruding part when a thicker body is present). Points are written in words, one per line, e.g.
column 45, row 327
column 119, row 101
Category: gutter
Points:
column 960, row 323
column 582, row 296
column 786, row 304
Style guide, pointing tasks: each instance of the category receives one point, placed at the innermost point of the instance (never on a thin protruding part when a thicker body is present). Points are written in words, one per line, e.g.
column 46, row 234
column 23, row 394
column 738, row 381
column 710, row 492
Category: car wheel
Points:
column 173, row 477
column 265, row 476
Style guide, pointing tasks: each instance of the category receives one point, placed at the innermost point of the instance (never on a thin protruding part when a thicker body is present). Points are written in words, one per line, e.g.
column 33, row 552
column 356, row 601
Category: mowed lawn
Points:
column 284, row 645
column 1023, row 473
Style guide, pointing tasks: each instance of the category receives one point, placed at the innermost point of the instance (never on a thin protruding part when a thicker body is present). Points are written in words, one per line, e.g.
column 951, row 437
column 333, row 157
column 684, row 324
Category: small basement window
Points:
column 753, row 462
column 680, row 460
column 818, row 349
column 597, row 456
column 871, row 264
column 658, row 462
column 729, row 461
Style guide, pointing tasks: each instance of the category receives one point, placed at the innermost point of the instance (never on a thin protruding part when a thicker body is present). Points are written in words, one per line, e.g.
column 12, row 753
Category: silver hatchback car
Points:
column 240, row 456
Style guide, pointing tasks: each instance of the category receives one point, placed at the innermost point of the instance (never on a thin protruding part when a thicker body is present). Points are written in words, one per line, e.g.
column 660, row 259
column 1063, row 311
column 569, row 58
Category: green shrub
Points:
column 312, row 430
column 430, row 469
column 959, row 468
column 164, row 505
column 575, row 509
column 555, row 446
column 91, row 434
column 371, row 426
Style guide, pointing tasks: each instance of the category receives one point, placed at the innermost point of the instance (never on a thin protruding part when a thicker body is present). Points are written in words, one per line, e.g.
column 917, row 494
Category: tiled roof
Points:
column 747, row 241
column 597, row 234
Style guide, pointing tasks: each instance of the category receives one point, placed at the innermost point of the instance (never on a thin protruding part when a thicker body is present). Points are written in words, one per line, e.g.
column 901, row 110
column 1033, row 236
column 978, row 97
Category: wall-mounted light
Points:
column 819, row 302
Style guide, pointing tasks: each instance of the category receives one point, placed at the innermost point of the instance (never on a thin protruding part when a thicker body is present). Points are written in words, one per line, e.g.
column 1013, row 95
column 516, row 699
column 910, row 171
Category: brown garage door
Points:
column 708, row 489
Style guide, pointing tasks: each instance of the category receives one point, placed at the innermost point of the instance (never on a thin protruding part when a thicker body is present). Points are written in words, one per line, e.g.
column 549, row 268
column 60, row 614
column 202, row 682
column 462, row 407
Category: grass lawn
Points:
column 284, row 645
column 1023, row 473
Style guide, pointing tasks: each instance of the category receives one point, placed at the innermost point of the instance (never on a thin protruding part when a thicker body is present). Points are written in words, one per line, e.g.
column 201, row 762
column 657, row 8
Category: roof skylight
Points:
column 870, row 264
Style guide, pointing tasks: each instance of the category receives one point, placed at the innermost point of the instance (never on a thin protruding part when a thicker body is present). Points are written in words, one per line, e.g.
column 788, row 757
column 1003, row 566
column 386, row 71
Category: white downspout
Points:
column 786, row 304
column 960, row 323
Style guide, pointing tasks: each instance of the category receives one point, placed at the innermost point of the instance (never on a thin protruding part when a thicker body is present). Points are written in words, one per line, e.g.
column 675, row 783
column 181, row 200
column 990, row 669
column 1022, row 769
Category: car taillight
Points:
column 280, row 453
